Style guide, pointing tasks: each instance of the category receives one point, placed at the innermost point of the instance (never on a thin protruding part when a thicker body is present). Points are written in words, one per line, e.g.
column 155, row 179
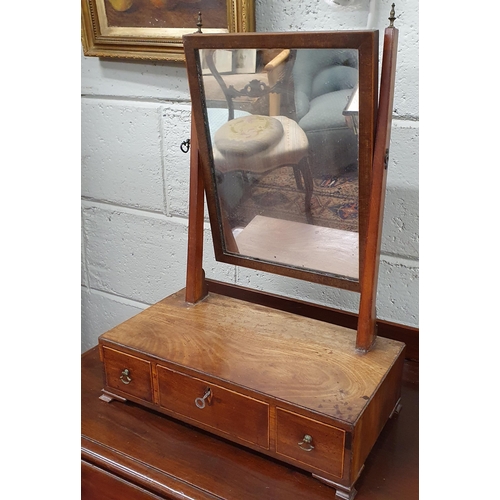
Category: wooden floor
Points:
column 130, row 452
column 305, row 246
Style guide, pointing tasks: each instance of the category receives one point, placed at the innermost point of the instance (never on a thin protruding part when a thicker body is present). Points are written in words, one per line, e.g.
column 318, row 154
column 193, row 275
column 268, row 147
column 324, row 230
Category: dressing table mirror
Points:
column 286, row 173
column 289, row 142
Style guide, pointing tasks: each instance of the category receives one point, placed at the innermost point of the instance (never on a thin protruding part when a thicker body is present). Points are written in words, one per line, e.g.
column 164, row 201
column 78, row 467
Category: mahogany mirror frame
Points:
column 366, row 42
column 375, row 126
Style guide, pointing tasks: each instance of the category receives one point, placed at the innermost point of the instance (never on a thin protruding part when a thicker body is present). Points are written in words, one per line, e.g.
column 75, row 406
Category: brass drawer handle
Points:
column 306, row 443
column 124, row 377
column 200, row 402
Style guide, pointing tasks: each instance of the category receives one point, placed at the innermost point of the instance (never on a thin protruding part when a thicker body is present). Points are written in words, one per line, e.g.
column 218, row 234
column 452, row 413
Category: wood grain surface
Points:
column 396, row 331
column 298, row 360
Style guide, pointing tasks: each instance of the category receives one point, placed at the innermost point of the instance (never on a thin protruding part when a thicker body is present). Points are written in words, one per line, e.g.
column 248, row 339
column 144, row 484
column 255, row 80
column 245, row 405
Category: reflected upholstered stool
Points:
column 260, row 144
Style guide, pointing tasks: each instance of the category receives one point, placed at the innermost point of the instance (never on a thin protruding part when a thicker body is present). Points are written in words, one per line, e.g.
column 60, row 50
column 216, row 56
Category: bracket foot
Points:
column 397, row 409
column 341, row 492
column 107, row 397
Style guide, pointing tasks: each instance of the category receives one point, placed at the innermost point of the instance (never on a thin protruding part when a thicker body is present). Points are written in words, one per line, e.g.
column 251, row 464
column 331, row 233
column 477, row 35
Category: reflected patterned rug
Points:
column 334, row 201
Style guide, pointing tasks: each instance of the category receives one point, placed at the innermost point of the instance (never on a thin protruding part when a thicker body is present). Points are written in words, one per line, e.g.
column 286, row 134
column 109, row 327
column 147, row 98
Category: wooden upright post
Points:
column 196, row 287
column 366, row 333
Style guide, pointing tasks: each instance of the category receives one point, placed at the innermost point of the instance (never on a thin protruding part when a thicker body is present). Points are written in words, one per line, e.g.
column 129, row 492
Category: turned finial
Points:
column 392, row 17
column 199, row 23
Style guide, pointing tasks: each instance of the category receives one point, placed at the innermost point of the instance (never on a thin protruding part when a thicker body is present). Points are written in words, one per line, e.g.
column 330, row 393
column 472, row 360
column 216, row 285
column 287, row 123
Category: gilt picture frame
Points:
column 153, row 29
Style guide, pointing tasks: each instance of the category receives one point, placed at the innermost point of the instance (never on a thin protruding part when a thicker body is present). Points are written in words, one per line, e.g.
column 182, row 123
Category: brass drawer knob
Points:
column 124, row 377
column 306, row 443
column 200, row 402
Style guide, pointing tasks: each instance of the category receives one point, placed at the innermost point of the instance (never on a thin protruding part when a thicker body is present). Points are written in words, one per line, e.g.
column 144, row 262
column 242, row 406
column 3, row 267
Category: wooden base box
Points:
column 290, row 387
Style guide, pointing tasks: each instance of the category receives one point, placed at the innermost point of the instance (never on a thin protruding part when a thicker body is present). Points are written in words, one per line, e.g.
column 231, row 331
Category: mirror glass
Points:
column 282, row 128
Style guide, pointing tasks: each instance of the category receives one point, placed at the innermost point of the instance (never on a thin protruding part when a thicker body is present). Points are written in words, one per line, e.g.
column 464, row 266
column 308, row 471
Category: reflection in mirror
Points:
column 283, row 128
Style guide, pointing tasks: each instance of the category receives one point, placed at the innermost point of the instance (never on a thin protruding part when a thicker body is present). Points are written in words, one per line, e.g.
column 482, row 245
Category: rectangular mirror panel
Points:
column 283, row 137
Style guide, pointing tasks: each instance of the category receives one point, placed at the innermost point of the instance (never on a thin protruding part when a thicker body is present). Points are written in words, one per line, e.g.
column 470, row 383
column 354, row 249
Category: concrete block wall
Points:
column 135, row 178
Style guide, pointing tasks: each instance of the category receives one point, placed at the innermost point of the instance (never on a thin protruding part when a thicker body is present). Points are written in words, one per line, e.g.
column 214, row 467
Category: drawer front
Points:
column 97, row 483
column 128, row 374
column 227, row 411
column 310, row 442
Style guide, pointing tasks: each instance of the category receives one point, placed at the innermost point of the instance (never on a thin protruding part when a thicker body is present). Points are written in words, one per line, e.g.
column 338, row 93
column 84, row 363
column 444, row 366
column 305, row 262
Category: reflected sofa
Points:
column 323, row 81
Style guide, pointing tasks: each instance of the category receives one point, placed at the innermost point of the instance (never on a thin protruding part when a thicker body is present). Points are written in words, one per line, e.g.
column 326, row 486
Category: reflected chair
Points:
column 259, row 144
column 324, row 80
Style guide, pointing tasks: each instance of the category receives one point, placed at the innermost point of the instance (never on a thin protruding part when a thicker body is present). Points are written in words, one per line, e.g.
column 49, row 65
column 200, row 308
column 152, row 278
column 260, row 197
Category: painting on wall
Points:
column 153, row 29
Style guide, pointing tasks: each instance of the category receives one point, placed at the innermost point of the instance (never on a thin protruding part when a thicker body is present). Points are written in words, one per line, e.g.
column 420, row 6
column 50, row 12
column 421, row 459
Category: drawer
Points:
column 97, row 483
column 216, row 407
column 307, row 441
column 128, row 374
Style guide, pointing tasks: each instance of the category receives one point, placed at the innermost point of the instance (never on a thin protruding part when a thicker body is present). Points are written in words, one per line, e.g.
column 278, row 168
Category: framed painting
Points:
column 153, row 29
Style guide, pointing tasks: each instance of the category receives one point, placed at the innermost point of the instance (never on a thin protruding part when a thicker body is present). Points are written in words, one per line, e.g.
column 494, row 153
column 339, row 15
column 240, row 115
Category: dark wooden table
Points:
column 130, row 453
